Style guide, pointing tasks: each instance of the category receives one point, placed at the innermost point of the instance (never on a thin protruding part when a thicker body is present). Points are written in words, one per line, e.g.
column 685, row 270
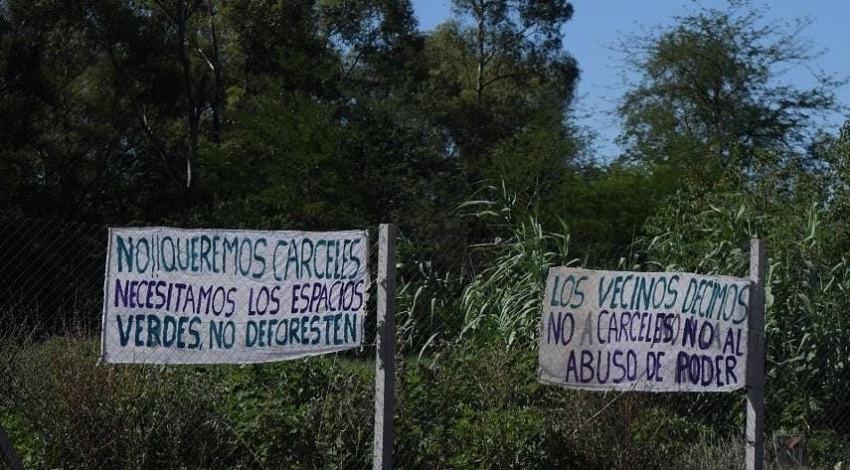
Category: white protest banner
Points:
column 610, row 330
column 175, row 296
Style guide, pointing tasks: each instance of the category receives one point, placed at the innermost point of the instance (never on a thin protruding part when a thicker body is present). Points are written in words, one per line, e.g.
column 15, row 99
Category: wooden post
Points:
column 385, row 350
column 756, row 360
column 9, row 451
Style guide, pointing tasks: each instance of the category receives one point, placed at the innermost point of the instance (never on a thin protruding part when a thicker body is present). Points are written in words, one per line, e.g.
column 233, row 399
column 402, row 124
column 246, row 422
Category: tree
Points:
column 95, row 94
column 61, row 128
column 506, row 31
column 326, row 108
column 499, row 77
column 710, row 93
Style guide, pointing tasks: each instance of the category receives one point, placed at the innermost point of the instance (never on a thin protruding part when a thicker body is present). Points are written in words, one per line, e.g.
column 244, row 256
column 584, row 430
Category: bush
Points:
column 71, row 414
column 314, row 413
column 62, row 411
column 480, row 406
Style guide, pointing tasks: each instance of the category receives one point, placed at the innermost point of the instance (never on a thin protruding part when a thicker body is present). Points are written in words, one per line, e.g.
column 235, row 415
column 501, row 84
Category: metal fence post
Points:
column 755, row 360
column 385, row 350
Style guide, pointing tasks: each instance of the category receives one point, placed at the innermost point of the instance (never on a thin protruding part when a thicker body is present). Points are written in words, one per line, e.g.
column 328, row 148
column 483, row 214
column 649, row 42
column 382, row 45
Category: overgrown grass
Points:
column 463, row 405
column 64, row 411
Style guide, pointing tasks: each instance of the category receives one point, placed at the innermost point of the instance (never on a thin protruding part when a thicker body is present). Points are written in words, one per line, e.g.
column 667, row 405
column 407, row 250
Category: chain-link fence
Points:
column 64, row 407
column 467, row 393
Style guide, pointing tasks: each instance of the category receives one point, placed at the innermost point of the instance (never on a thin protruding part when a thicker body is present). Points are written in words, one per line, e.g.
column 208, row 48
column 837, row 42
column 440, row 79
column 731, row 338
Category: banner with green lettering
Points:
column 230, row 296
column 609, row 330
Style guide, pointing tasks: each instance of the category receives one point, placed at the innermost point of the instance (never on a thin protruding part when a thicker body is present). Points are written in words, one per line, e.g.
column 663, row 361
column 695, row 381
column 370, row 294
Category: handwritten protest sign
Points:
column 228, row 296
column 606, row 330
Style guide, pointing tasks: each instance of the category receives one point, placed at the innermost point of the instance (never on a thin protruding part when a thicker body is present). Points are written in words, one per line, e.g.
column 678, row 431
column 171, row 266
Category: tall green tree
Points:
column 397, row 168
column 62, row 126
column 711, row 93
column 325, row 109
column 107, row 102
column 501, row 85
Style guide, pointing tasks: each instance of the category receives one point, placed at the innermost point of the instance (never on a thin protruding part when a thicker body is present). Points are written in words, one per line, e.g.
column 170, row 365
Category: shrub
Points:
column 75, row 415
column 63, row 411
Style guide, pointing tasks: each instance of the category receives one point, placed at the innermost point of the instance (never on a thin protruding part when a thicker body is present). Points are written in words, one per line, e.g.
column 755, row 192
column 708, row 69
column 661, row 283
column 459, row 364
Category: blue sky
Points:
column 598, row 26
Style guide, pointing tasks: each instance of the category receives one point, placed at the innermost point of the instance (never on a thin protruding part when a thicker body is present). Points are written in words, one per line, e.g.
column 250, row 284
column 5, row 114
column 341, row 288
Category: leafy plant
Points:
column 505, row 296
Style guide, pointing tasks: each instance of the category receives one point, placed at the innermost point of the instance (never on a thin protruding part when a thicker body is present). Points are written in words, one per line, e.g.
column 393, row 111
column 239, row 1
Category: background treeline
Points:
column 326, row 114
column 287, row 113
column 331, row 113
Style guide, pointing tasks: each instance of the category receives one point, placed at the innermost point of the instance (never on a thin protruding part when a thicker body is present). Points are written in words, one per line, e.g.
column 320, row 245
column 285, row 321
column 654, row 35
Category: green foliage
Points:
column 464, row 406
column 73, row 415
column 700, row 233
column 301, row 414
column 479, row 406
column 827, row 449
column 500, row 83
column 235, row 113
column 607, row 208
column 505, row 296
column 62, row 411
column 427, row 300
column 806, row 283
column 710, row 452
column 325, row 114
column 711, row 94
column 285, row 144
